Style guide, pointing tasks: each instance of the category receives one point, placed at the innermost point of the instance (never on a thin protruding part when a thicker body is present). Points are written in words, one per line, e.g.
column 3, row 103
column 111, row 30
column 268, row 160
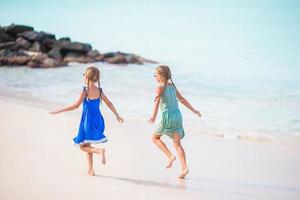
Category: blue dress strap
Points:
column 85, row 91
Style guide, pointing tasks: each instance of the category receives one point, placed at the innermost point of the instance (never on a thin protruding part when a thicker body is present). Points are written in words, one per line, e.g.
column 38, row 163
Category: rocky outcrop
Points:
column 22, row 45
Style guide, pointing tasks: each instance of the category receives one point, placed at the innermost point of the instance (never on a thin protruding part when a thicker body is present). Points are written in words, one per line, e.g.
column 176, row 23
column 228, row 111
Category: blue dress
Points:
column 92, row 125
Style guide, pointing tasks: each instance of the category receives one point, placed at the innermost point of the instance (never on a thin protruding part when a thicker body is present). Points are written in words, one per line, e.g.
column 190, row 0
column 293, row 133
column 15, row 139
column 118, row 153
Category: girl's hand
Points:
column 120, row 119
column 197, row 113
column 54, row 112
column 151, row 120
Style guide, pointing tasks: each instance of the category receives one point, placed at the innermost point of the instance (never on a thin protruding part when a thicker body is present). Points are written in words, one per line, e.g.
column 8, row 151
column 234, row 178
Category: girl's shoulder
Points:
column 163, row 85
column 169, row 85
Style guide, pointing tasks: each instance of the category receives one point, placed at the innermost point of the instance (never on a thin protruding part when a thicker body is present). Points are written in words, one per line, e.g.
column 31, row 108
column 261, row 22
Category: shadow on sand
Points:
column 181, row 185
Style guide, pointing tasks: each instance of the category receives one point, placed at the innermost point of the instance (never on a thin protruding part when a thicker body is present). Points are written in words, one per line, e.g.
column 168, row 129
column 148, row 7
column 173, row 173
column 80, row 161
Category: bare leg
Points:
column 162, row 146
column 90, row 150
column 90, row 164
column 181, row 154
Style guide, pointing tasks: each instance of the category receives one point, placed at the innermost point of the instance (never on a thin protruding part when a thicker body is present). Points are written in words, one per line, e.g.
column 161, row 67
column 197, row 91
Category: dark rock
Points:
column 67, row 46
column 4, row 52
column 7, row 52
column 47, row 36
column 34, row 64
column 37, row 36
column 65, row 39
column 5, row 37
column 77, row 57
column 8, row 45
column 117, row 59
column 55, row 53
column 13, row 30
column 74, row 46
column 23, row 43
column 131, row 58
column 109, row 55
column 39, row 57
column 50, row 44
column 20, row 60
column 31, row 35
column 38, row 47
column 20, row 45
column 95, row 55
column 15, row 60
column 50, row 62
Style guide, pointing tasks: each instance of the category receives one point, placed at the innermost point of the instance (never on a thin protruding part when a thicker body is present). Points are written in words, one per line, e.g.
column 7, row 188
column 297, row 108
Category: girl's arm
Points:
column 159, row 90
column 186, row 103
column 71, row 107
column 111, row 107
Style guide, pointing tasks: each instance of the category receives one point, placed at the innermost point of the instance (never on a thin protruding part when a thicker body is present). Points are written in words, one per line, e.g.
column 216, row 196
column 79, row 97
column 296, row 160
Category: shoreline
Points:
column 43, row 152
column 26, row 98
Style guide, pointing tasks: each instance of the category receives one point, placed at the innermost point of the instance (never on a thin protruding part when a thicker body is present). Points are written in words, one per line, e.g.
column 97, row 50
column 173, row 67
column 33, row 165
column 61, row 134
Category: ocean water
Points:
column 236, row 61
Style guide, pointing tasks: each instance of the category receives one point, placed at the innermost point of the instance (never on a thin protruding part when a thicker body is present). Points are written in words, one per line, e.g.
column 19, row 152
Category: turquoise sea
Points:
column 237, row 61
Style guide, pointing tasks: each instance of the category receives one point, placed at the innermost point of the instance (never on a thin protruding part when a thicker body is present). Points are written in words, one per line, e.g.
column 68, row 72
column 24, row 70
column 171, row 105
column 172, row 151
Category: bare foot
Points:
column 171, row 160
column 91, row 172
column 183, row 174
column 103, row 159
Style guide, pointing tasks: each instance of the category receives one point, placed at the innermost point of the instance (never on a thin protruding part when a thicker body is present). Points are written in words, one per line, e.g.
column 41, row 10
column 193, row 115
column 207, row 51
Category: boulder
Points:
column 23, row 43
column 117, row 59
column 34, row 64
column 95, row 55
column 17, row 60
column 9, row 57
column 3, row 55
column 13, row 30
column 77, row 57
column 55, row 53
column 73, row 46
column 131, row 58
column 36, row 36
column 49, row 44
column 4, row 52
column 50, row 62
column 39, row 57
column 67, row 46
column 5, row 37
column 109, row 55
column 8, row 45
column 31, row 35
column 65, row 39
column 38, row 47
column 47, row 36
column 36, row 58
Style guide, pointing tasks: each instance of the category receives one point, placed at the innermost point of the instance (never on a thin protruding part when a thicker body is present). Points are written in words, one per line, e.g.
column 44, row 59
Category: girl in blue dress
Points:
column 92, row 125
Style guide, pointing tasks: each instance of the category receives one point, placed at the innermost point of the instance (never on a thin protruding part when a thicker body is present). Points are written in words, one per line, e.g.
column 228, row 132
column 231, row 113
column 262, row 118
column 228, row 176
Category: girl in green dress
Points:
column 171, row 122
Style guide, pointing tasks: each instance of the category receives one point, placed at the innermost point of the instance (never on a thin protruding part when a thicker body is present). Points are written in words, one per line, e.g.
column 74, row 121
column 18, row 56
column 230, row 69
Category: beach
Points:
column 236, row 62
column 39, row 161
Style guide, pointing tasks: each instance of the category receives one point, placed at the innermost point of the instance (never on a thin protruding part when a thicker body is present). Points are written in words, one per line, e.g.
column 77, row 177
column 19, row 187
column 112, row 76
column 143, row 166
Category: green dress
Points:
column 171, row 120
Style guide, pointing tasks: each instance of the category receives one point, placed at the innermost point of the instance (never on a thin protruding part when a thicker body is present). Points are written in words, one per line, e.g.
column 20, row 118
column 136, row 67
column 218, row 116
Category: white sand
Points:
column 39, row 161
